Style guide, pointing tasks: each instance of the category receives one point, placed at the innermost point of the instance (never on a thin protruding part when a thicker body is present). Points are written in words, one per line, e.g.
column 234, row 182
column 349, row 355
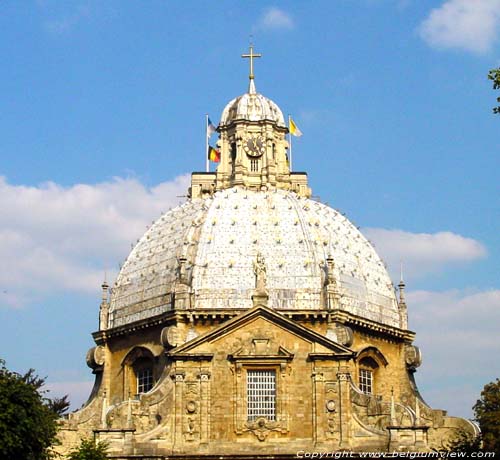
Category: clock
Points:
column 254, row 146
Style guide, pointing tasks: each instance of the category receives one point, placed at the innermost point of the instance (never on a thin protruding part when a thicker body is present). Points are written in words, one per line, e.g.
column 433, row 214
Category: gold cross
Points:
column 251, row 55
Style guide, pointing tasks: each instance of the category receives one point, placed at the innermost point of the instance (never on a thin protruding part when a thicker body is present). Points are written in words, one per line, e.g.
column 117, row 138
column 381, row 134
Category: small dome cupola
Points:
column 252, row 106
column 253, row 147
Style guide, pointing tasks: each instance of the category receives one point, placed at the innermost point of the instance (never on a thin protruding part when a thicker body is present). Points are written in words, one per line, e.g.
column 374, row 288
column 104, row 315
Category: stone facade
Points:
column 253, row 321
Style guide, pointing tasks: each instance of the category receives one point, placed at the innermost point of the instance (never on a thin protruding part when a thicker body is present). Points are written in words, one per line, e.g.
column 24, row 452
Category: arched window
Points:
column 367, row 370
column 139, row 372
column 370, row 362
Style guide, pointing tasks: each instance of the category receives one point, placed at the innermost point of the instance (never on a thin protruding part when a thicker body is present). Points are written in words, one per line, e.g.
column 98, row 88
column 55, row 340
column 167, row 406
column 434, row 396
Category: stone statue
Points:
column 259, row 268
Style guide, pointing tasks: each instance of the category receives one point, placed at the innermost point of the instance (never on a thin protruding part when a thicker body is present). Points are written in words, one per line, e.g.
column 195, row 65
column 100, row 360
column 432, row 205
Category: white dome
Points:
column 252, row 107
column 220, row 237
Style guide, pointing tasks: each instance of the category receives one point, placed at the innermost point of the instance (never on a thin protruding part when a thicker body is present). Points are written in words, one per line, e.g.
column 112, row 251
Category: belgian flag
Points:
column 213, row 154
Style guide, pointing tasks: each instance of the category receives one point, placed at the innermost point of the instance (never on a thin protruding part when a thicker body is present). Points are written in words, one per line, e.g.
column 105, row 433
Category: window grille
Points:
column 261, row 394
column 144, row 380
column 366, row 381
column 254, row 165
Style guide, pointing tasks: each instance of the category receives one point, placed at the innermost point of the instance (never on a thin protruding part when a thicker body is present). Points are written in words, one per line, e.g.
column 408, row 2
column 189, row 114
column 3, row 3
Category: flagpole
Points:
column 207, row 164
column 290, row 143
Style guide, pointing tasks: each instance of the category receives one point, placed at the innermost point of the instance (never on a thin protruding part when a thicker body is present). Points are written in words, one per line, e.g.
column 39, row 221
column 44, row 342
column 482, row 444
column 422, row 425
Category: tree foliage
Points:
column 494, row 75
column 28, row 420
column 89, row 450
column 487, row 414
column 487, row 410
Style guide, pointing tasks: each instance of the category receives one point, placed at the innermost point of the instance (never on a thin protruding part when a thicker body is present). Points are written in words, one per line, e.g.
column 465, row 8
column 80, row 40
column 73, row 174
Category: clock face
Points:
column 254, row 146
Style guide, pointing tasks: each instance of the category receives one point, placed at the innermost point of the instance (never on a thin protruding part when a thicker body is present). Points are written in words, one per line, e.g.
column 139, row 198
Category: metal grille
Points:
column 254, row 165
column 366, row 381
column 144, row 380
column 261, row 394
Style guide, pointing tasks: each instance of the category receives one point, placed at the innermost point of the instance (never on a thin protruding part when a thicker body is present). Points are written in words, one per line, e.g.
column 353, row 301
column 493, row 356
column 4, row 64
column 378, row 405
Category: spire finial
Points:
column 401, row 286
column 105, row 287
column 251, row 55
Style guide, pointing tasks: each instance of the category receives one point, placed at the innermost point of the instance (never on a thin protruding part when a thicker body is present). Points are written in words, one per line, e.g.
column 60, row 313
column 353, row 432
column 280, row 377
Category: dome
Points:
column 220, row 236
column 252, row 106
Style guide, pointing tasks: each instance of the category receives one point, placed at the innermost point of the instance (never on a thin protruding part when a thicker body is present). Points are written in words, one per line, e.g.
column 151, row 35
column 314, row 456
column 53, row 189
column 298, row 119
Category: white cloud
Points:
column 423, row 253
column 275, row 18
column 458, row 333
column 471, row 25
column 57, row 237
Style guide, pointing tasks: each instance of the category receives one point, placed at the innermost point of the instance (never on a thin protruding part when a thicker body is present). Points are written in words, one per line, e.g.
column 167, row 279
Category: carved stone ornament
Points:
column 261, row 428
column 204, row 376
column 169, row 337
column 340, row 334
column 343, row 376
column 413, row 356
column 191, row 407
column 95, row 357
column 330, row 405
column 177, row 377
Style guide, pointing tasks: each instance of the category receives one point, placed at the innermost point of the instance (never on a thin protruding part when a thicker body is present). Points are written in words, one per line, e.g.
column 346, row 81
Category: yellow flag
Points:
column 294, row 131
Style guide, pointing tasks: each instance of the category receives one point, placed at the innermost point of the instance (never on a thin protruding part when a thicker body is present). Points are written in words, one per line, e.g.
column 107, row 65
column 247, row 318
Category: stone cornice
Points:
column 223, row 315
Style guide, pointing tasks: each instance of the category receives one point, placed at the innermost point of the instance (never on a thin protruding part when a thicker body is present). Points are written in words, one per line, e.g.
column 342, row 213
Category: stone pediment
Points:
column 261, row 332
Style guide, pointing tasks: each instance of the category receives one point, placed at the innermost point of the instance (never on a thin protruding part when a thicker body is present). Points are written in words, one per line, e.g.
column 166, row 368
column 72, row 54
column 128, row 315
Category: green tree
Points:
column 487, row 410
column 28, row 420
column 494, row 75
column 89, row 450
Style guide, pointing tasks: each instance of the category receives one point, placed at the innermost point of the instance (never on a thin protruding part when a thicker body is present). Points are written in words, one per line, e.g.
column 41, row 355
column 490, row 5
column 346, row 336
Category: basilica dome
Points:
column 215, row 241
column 254, row 319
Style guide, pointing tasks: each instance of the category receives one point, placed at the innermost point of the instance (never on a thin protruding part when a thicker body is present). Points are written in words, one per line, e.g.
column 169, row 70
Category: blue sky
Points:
column 102, row 118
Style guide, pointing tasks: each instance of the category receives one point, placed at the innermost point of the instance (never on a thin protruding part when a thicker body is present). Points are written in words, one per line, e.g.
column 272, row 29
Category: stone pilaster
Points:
column 178, row 378
column 318, row 407
column 204, row 377
column 345, row 410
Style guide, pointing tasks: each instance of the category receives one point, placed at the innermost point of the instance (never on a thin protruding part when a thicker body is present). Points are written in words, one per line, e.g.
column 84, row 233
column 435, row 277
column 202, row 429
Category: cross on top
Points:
column 251, row 56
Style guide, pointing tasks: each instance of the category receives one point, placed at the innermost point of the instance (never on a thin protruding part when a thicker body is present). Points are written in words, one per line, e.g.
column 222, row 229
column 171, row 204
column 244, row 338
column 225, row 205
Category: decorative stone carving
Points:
column 95, row 357
column 341, row 334
column 262, row 427
column 413, row 356
column 170, row 337
column 178, row 377
column 191, row 407
column 330, row 405
column 343, row 376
